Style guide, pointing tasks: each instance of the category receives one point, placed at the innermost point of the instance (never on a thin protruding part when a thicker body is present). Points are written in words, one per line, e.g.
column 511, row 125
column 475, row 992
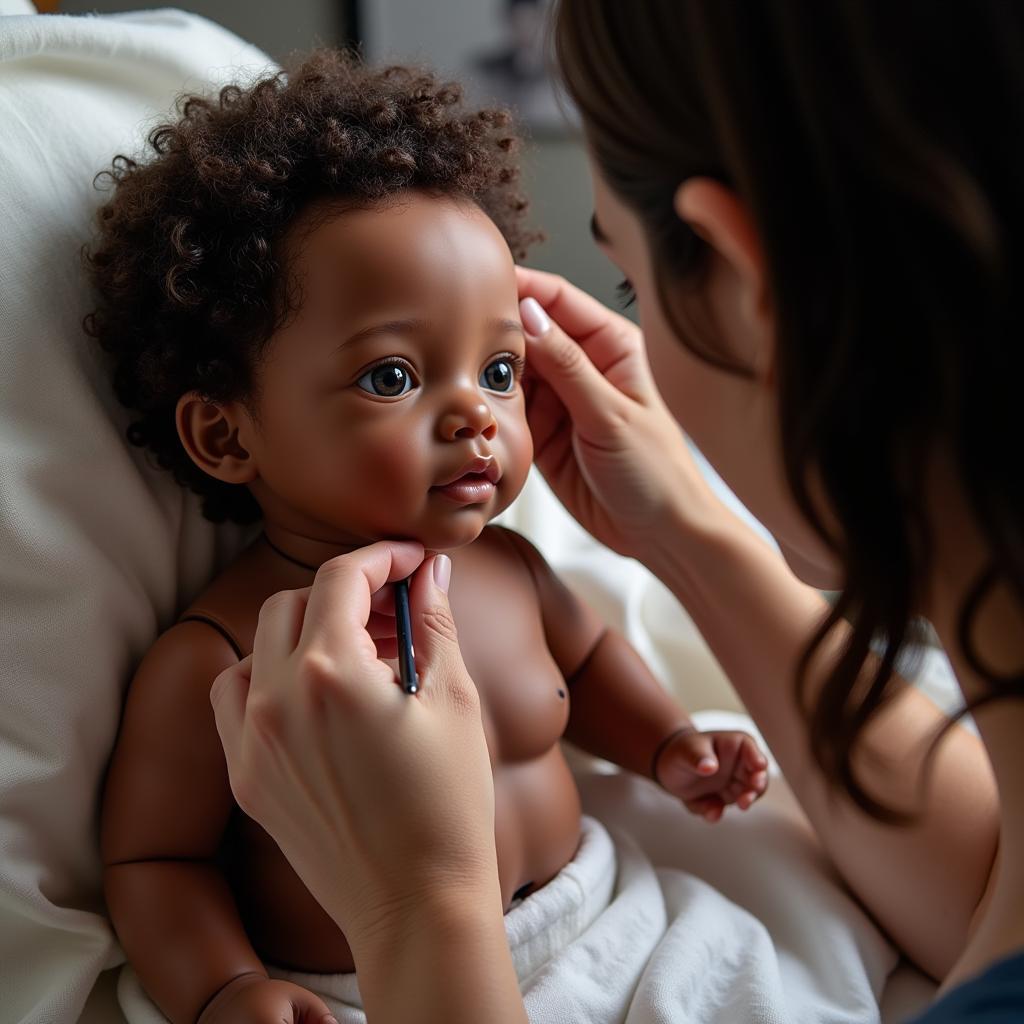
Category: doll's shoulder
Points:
column 570, row 625
column 521, row 556
column 511, row 550
column 230, row 604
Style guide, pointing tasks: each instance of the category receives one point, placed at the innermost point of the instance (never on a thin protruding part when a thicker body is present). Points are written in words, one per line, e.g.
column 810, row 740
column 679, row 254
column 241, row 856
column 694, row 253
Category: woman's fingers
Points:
column 280, row 623
column 612, row 343
column 565, row 366
column 228, row 695
column 578, row 313
column 435, row 639
column 340, row 599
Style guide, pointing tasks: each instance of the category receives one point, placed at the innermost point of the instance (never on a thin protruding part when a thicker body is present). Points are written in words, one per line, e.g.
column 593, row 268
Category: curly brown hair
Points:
column 189, row 265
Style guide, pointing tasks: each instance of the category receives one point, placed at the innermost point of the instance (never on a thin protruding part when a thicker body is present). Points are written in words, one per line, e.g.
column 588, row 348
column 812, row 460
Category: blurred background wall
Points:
column 468, row 39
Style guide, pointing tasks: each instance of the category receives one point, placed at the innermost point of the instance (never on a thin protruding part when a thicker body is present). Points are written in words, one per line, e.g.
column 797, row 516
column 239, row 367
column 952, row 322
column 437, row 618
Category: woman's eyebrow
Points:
column 595, row 230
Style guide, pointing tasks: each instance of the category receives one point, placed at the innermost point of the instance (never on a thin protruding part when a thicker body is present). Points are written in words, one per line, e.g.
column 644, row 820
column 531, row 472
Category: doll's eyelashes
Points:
column 389, row 380
column 394, row 377
column 502, row 373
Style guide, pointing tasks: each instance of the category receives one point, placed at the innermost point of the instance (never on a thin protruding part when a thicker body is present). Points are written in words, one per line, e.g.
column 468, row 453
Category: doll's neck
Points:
column 307, row 553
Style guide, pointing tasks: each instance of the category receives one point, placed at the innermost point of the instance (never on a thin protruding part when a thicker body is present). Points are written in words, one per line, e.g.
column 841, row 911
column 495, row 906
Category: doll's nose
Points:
column 468, row 416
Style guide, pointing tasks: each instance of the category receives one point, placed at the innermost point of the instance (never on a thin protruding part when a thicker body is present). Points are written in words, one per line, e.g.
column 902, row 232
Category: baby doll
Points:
column 310, row 299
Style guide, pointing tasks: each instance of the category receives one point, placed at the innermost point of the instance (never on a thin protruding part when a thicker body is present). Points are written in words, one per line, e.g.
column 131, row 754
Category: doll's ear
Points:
column 210, row 432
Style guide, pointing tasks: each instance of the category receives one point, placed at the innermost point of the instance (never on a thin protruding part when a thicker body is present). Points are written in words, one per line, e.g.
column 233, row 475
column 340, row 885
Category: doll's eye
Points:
column 389, row 380
column 501, row 374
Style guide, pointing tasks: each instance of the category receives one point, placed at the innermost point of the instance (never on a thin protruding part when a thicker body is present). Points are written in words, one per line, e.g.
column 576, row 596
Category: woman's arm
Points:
column 922, row 882
column 445, row 962
column 613, row 454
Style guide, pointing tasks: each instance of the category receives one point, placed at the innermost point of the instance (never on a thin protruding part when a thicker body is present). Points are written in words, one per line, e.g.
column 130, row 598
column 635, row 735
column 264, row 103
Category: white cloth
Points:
column 97, row 550
column 625, row 935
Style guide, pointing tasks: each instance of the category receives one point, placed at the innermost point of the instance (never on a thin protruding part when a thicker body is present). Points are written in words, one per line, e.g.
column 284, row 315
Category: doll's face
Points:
column 399, row 374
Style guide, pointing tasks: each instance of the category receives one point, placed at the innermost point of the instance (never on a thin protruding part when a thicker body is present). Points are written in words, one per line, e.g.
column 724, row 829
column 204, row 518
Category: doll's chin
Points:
column 457, row 534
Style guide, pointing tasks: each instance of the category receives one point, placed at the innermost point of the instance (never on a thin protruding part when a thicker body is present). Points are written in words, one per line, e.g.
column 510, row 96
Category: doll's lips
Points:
column 474, row 484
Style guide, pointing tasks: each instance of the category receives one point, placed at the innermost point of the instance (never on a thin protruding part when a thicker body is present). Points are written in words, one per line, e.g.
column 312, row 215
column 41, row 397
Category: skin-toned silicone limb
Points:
column 620, row 712
column 166, row 805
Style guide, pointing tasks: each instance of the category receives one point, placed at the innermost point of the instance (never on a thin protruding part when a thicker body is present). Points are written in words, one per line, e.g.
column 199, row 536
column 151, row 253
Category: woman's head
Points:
column 821, row 202
column 271, row 216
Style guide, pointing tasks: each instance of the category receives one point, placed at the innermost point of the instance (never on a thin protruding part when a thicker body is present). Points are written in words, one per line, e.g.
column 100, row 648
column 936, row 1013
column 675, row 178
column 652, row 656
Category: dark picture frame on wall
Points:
column 498, row 48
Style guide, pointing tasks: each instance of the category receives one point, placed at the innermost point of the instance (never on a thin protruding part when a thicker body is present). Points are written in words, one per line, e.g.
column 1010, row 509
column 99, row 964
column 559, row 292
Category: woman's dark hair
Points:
column 880, row 148
column 189, row 266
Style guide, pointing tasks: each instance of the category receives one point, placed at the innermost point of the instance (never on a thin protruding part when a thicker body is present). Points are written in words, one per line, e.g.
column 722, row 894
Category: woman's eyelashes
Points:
column 393, row 378
column 626, row 293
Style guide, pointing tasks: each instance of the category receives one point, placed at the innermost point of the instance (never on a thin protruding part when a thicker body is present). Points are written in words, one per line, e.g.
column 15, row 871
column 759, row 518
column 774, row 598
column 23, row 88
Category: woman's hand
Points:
column 604, row 439
column 382, row 802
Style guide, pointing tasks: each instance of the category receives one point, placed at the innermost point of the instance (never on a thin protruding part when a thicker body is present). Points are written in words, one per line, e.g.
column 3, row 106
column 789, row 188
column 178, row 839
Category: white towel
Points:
column 757, row 932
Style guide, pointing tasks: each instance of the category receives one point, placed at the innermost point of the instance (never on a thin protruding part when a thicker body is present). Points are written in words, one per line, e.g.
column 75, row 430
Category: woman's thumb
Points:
column 562, row 363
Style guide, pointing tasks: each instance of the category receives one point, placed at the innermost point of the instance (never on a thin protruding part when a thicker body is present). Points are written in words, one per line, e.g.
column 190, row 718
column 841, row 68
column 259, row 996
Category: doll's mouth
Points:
column 475, row 482
column 468, row 489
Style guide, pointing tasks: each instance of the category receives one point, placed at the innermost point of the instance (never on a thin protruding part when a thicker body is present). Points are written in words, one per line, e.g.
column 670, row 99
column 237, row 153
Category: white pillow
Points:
column 97, row 550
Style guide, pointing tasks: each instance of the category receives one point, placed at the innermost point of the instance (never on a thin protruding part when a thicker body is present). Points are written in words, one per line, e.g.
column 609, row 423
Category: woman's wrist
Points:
column 696, row 537
column 445, row 959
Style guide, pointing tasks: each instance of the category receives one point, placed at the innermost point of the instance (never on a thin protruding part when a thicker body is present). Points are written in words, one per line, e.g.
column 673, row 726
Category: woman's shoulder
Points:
column 993, row 997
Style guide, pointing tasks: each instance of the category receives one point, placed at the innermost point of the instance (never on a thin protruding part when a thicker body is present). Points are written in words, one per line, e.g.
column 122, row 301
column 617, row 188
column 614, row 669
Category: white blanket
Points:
column 667, row 919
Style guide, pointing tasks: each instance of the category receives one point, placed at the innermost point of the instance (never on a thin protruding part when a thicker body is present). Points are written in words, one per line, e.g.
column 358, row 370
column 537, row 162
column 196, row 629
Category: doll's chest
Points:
column 524, row 698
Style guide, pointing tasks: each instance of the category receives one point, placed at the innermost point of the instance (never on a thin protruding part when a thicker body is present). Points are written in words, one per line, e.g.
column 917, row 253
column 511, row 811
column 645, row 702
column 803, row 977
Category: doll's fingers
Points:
column 734, row 791
column 709, row 807
column 753, row 758
column 691, row 752
column 747, row 799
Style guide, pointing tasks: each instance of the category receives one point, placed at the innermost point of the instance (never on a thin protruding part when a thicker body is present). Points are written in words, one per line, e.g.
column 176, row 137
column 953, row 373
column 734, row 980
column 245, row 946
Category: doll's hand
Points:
column 252, row 999
column 708, row 770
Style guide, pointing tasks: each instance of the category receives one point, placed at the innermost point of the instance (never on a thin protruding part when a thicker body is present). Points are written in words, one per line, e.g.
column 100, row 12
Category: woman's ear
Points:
column 210, row 432
column 718, row 215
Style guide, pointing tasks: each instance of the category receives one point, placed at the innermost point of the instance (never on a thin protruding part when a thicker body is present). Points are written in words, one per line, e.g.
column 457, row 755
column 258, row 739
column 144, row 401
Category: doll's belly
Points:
column 537, row 831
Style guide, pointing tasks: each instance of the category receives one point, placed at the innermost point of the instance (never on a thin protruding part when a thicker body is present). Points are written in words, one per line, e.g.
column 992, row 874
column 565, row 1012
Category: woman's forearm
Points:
column 447, row 963
column 922, row 881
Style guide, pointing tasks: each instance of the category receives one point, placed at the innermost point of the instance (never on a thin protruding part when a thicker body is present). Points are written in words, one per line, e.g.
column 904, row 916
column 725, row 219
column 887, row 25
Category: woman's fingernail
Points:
column 535, row 320
column 707, row 766
column 442, row 572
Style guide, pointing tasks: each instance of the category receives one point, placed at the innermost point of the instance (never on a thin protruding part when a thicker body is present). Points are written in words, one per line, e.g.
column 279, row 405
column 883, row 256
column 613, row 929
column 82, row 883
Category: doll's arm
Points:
column 166, row 804
column 618, row 710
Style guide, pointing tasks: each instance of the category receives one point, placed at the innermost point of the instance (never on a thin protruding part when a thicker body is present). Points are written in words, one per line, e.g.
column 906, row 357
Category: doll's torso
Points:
column 525, row 708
